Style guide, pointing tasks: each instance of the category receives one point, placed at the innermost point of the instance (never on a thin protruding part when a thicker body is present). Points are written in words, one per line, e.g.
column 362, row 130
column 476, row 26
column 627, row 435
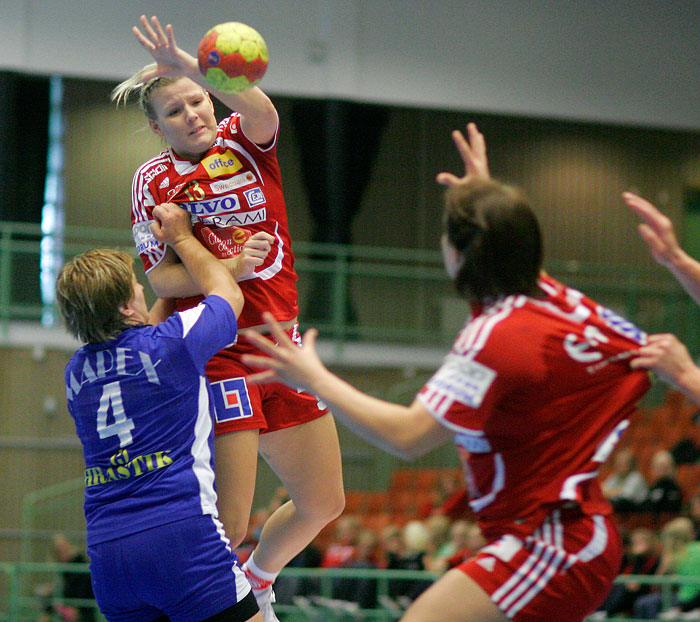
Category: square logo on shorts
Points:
column 231, row 399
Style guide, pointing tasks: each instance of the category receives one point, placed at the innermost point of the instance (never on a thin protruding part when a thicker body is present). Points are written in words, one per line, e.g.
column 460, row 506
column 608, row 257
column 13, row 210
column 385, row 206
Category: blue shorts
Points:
column 185, row 570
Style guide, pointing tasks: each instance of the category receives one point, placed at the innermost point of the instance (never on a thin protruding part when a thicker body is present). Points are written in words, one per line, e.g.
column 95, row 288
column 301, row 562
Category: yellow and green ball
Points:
column 232, row 57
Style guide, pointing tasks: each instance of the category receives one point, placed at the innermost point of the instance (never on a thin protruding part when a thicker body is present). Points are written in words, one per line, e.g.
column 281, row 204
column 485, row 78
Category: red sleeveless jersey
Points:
column 538, row 392
column 234, row 191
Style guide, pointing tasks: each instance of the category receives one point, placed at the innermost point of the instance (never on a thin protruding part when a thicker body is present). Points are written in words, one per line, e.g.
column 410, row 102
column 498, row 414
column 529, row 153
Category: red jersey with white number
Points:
column 538, row 392
column 234, row 191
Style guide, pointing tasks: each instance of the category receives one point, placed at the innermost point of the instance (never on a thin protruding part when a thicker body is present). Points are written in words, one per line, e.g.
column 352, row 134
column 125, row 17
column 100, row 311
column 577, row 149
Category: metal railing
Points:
column 20, row 603
column 370, row 293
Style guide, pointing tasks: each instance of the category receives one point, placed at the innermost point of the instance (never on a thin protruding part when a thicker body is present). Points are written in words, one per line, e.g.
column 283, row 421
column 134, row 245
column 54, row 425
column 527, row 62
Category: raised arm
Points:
column 406, row 431
column 657, row 231
column 472, row 150
column 173, row 227
column 259, row 118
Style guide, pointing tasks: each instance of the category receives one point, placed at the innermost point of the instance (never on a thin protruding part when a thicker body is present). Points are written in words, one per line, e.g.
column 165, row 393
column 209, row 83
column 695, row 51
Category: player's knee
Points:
column 236, row 530
column 325, row 508
column 336, row 506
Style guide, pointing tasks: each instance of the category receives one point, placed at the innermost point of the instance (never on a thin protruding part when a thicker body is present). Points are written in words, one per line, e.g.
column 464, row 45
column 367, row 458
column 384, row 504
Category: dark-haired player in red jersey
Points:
column 535, row 393
column 227, row 177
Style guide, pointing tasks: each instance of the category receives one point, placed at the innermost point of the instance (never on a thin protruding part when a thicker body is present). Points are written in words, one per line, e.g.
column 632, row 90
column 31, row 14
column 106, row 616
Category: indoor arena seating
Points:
column 655, row 429
column 412, row 493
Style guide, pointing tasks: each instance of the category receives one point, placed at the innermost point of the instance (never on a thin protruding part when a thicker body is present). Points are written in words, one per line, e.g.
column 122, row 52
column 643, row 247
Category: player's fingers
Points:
column 148, row 29
column 650, row 236
column 462, row 146
column 642, row 362
column 644, row 209
column 263, row 235
column 276, row 330
column 309, row 338
column 162, row 39
column 659, row 338
column 261, row 362
column 262, row 343
column 261, row 378
column 141, row 39
column 476, row 139
column 447, row 179
column 257, row 246
column 171, row 36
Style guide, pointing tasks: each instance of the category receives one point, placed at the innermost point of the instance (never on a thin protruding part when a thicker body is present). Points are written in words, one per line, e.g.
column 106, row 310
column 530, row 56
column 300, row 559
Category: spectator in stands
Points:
column 665, row 495
column 73, row 584
column 343, row 547
column 680, row 555
column 469, row 540
column 694, row 513
column 441, row 547
column 415, row 540
column 641, row 558
column 625, row 487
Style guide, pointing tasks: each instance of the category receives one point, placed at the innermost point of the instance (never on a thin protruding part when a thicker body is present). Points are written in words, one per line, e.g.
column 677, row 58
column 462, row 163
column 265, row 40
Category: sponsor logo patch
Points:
column 149, row 175
column 220, row 164
column 143, row 236
column 237, row 181
column 254, row 196
column 235, row 219
column 463, row 380
column 621, row 325
column 211, row 207
column 231, row 399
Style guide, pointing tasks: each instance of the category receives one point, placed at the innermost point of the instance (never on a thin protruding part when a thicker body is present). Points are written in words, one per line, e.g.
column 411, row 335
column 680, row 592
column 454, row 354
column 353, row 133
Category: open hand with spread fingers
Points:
column 472, row 150
column 286, row 362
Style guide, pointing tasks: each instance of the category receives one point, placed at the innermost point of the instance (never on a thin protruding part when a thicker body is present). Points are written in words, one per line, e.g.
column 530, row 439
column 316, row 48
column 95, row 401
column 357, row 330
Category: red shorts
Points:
column 267, row 407
column 562, row 572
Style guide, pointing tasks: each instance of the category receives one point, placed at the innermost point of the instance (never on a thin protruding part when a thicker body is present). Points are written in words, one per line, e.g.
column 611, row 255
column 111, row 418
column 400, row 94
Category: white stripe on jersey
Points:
column 477, row 332
column 469, row 343
column 201, row 452
column 139, row 193
column 547, row 558
column 189, row 318
column 236, row 146
column 274, row 267
column 242, row 583
column 598, row 543
column 497, row 484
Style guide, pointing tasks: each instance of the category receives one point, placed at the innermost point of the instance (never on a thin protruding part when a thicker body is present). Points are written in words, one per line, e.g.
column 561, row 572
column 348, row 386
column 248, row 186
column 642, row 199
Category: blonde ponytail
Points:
column 122, row 91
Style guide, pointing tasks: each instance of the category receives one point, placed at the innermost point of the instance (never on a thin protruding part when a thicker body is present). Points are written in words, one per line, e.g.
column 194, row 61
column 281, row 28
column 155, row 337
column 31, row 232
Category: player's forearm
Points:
column 687, row 273
column 209, row 275
column 689, row 383
column 173, row 280
column 386, row 425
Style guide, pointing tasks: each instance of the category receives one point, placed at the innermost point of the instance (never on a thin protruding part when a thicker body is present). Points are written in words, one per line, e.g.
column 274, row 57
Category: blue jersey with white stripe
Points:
column 143, row 412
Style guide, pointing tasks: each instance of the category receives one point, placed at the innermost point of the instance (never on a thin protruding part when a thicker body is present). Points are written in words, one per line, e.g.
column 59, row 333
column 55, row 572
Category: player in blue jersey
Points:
column 143, row 411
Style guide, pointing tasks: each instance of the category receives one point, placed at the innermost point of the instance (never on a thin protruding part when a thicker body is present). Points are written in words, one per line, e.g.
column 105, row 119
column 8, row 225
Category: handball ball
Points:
column 232, row 57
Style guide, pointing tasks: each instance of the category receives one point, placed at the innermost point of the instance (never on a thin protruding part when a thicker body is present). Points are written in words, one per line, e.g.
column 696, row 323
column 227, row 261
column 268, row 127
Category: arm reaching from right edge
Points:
column 665, row 355
column 670, row 360
column 172, row 225
column 405, row 431
column 657, row 231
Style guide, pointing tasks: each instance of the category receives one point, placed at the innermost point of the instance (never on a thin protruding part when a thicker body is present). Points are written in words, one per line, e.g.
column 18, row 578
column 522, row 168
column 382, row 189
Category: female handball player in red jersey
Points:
column 227, row 176
column 535, row 393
